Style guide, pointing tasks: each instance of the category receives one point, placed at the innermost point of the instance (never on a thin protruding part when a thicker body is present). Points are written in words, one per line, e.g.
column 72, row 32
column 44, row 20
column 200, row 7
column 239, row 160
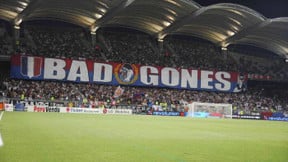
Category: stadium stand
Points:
column 200, row 54
column 6, row 47
column 255, row 99
column 59, row 42
column 130, row 47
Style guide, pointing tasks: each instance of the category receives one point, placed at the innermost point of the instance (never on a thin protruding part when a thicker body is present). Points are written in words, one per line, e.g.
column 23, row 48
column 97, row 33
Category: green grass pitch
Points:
column 55, row 137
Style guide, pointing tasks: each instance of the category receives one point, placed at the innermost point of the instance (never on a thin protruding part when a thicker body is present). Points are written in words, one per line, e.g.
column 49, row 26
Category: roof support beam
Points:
column 180, row 22
column 26, row 12
column 241, row 34
column 121, row 5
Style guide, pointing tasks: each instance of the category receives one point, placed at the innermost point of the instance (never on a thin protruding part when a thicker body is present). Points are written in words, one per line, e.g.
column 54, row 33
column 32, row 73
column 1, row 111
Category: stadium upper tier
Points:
column 223, row 24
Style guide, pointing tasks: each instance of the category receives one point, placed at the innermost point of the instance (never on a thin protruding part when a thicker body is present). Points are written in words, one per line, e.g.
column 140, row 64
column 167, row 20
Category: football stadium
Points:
column 142, row 81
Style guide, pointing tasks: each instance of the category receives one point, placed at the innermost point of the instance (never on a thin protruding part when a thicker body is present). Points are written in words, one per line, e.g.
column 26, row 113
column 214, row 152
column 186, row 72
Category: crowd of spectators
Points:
column 5, row 41
column 200, row 54
column 256, row 99
column 57, row 42
column 275, row 68
column 132, row 47
column 204, row 55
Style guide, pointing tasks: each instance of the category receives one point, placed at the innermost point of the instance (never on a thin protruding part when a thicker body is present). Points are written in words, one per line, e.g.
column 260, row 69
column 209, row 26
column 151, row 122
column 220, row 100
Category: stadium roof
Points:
column 222, row 24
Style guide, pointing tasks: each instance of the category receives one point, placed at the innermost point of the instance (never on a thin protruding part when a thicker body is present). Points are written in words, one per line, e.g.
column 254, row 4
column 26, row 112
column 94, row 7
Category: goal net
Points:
column 210, row 110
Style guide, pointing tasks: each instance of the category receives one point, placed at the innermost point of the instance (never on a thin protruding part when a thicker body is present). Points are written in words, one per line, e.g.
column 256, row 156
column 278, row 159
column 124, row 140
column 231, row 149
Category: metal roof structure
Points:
column 222, row 24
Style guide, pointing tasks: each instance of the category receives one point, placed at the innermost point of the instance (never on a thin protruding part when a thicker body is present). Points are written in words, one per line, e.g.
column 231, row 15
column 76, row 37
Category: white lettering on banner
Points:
column 206, row 79
column 189, row 78
column 30, row 69
column 54, row 69
column 104, row 70
column 170, row 76
column 78, row 70
column 144, row 75
column 224, row 84
column 149, row 75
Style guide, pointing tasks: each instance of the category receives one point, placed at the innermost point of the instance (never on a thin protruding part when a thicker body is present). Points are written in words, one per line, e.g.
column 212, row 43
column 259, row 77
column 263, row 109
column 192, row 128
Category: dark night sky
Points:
column 268, row 8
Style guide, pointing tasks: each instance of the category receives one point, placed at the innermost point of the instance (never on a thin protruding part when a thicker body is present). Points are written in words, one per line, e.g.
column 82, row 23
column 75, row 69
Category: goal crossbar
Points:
column 210, row 110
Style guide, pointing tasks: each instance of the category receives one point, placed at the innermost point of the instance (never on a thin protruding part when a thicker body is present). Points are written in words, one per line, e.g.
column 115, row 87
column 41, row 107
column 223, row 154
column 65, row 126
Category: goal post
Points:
column 209, row 110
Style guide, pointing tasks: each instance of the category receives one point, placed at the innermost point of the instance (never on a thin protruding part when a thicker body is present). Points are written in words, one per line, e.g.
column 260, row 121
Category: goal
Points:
column 209, row 110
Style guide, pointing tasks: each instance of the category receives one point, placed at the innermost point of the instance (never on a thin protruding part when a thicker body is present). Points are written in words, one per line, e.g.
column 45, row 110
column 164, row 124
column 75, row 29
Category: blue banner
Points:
column 19, row 107
column 166, row 113
column 278, row 118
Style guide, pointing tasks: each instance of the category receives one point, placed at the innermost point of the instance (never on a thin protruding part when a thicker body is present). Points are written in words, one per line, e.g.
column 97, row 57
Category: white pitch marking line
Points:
column 1, row 141
column 1, row 115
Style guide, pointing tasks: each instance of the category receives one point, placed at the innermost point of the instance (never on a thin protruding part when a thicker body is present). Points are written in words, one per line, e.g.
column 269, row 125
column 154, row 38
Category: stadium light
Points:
column 230, row 33
column 286, row 60
column 18, row 21
column 98, row 16
column 166, row 23
column 161, row 37
column 224, row 45
column 23, row 4
column 16, row 27
column 93, row 29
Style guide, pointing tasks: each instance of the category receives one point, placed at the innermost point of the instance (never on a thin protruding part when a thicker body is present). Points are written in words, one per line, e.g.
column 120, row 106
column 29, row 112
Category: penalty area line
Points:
column 1, row 115
column 1, row 141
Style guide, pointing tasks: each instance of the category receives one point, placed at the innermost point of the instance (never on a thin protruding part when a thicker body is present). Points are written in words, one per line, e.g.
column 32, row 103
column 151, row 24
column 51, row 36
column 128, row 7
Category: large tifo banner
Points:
column 40, row 68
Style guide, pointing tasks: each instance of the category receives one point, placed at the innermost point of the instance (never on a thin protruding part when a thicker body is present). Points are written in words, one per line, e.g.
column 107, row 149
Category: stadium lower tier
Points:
column 209, row 111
